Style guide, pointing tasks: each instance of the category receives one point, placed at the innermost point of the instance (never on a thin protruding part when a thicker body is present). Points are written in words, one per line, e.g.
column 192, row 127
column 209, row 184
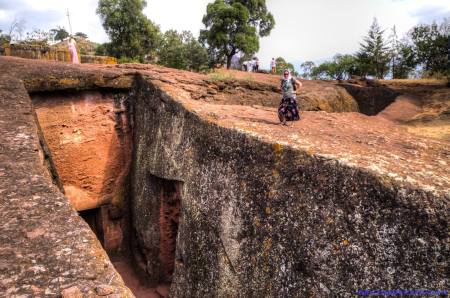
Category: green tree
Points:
column 132, row 34
column 346, row 66
column 234, row 26
column 81, row 35
column 282, row 65
column 403, row 58
column 59, row 33
column 182, row 51
column 373, row 56
column 259, row 16
column 4, row 38
column 196, row 54
column 430, row 45
column 340, row 68
column 307, row 68
column 322, row 71
column 172, row 50
column 38, row 37
column 101, row 49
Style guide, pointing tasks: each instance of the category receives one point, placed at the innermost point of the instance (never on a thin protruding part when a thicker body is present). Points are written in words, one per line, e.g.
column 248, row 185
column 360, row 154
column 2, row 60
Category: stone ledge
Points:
column 45, row 247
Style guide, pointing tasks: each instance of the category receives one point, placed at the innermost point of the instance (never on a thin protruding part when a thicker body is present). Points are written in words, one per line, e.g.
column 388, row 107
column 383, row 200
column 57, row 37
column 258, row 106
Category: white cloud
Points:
column 177, row 14
column 3, row 14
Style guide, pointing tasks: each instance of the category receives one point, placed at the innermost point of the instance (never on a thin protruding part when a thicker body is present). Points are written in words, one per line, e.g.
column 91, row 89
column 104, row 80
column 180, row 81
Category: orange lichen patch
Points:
column 277, row 148
column 329, row 221
column 345, row 242
column 69, row 82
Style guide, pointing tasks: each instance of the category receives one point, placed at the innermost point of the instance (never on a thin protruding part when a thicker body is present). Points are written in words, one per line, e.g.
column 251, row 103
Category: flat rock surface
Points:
column 372, row 143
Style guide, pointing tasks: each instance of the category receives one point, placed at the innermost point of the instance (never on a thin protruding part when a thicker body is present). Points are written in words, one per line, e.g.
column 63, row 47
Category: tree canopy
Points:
column 131, row 33
column 340, row 68
column 430, row 44
column 307, row 68
column 374, row 53
column 59, row 33
column 282, row 65
column 182, row 51
column 234, row 26
column 81, row 35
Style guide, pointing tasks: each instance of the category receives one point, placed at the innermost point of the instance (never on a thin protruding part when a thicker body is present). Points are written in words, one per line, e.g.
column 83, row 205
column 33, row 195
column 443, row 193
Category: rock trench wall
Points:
column 371, row 99
column 46, row 250
column 264, row 220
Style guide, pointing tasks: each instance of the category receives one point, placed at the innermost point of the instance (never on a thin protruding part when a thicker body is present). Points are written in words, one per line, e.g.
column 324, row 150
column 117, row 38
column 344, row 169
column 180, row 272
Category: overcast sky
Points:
column 305, row 29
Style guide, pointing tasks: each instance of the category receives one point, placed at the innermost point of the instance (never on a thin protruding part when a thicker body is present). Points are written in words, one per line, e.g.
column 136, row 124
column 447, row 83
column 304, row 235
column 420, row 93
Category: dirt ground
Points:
column 136, row 283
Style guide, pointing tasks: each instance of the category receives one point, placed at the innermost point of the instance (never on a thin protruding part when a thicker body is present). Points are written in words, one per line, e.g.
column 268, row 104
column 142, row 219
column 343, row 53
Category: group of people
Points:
column 251, row 65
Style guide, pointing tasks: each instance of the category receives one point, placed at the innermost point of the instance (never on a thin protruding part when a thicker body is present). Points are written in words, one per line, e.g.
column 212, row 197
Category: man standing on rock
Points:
column 288, row 110
column 273, row 66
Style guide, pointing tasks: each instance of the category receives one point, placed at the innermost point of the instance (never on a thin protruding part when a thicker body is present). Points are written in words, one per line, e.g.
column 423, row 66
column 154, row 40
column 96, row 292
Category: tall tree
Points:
column 196, row 54
column 16, row 29
column 373, row 55
column 234, row 26
column 131, row 33
column 81, row 35
column 182, row 51
column 394, row 51
column 59, row 33
column 340, row 68
column 4, row 38
column 172, row 51
column 430, row 44
column 282, row 65
column 307, row 68
column 259, row 16
column 406, row 61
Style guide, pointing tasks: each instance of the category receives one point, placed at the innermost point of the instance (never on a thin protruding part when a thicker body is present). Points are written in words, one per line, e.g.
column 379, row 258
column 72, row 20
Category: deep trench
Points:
column 86, row 139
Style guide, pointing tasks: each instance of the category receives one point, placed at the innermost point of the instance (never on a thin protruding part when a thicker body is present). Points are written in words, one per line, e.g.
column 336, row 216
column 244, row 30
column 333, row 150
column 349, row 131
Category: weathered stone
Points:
column 243, row 207
column 41, row 237
column 72, row 292
column 266, row 218
column 104, row 290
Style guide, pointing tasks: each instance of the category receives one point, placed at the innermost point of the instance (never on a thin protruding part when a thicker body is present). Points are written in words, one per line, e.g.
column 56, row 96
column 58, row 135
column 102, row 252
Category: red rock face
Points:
column 88, row 137
column 168, row 225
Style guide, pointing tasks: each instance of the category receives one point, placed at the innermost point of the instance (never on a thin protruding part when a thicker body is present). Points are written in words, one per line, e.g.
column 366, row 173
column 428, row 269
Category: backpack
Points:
column 293, row 84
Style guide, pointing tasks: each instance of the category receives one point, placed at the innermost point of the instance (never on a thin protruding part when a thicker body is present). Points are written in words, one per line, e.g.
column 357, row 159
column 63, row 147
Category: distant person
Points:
column 255, row 64
column 250, row 65
column 288, row 110
column 273, row 66
column 73, row 51
column 245, row 65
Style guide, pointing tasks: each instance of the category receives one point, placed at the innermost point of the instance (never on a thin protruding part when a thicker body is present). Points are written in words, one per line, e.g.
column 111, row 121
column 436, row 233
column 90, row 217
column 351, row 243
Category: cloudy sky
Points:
column 305, row 29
